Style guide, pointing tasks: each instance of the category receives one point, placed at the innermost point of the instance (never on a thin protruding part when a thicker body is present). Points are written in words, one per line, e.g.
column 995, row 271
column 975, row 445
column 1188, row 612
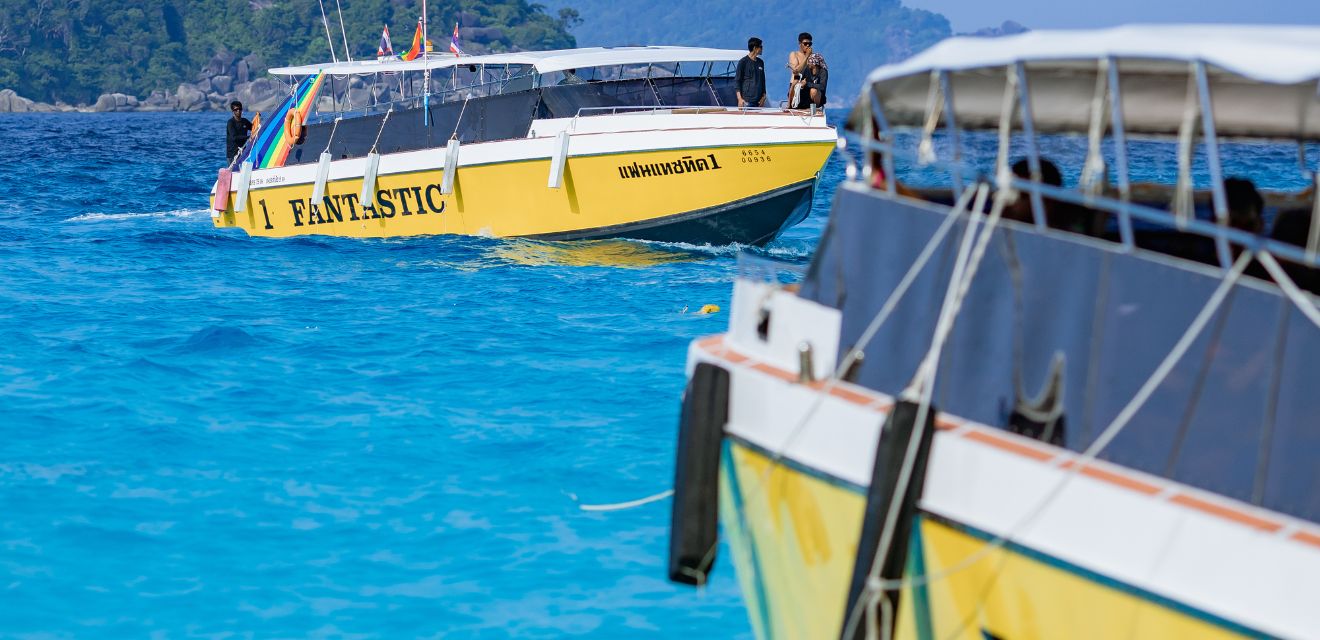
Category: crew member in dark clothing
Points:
column 816, row 77
column 749, row 82
column 236, row 134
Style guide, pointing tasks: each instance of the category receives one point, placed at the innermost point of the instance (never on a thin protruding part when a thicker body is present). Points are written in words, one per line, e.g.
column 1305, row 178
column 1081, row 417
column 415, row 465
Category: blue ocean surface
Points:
column 204, row 434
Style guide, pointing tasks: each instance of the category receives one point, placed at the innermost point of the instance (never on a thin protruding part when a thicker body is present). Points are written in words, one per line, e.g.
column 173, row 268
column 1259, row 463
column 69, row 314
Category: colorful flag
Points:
column 273, row 140
column 416, row 49
column 453, row 42
column 385, row 50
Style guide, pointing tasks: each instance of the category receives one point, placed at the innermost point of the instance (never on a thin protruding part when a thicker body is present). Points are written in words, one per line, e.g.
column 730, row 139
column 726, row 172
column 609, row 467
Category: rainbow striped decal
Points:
column 273, row 144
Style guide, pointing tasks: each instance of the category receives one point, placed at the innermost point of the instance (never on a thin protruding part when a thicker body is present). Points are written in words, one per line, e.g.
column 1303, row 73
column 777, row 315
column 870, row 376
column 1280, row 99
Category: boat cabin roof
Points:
column 542, row 61
column 1262, row 79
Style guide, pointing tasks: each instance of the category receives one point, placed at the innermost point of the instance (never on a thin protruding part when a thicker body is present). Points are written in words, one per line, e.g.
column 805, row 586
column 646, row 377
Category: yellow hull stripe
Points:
column 1019, row 594
column 793, row 536
column 512, row 199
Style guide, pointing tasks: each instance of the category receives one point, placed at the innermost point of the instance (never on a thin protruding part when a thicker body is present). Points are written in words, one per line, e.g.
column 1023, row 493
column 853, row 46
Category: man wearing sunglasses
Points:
column 797, row 64
column 236, row 134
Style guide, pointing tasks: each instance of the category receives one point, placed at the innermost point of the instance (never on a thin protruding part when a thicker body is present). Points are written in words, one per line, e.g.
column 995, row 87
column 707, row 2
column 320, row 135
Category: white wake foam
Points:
column 111, row 217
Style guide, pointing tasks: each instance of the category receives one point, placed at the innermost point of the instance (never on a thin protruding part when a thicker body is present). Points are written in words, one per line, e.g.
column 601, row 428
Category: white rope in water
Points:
column 620, row 506
column 1077, row 464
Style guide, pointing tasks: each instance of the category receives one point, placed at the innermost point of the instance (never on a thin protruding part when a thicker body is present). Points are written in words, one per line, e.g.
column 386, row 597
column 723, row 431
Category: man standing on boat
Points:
column 750, row 78
column 236, row 134
column 797, row 67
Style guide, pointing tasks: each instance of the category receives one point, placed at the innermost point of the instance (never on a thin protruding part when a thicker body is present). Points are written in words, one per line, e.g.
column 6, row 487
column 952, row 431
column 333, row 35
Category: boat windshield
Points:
column 563, row 92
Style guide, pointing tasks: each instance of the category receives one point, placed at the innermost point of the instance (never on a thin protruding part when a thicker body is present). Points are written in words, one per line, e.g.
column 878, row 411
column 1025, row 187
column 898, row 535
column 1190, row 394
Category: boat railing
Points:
column 668, row 109
column 877, row 141
column 1125, row 211
column 585, row 112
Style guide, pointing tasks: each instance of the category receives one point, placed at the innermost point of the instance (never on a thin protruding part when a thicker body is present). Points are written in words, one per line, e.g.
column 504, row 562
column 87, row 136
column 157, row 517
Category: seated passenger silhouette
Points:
column 1020, row 209
column 1065, row 216
column 1245, row 205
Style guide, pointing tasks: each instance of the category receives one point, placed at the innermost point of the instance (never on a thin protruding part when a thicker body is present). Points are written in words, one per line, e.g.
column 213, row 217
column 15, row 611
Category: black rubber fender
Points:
column 899, row 429
column 694, row 523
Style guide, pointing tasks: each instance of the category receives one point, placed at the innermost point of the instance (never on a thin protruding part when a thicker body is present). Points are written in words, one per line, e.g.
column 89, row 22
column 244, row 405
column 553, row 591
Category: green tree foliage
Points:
column 75, row 50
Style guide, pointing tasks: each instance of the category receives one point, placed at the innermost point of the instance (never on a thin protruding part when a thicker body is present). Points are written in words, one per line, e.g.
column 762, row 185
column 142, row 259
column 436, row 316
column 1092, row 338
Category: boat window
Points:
column 723, row 69
column 605, row 74
column 630, row 71
column 664, row 69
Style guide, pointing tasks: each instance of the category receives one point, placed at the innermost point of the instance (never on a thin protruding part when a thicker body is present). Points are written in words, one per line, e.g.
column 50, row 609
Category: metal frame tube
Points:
column 1212, row 159
column 1120, row 154
column 887, row 160
column 1033, row 151
column 951, row 125
column 1158, row 217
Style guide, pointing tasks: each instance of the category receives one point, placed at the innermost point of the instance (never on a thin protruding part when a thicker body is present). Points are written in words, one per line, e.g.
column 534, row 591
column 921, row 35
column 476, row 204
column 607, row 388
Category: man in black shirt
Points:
column 236, row 134
column 749, row 82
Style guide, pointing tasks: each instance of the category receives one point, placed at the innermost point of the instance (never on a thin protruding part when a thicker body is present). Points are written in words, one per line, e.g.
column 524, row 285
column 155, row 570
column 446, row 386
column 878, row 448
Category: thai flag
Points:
column 453, row 42
column 385, row 50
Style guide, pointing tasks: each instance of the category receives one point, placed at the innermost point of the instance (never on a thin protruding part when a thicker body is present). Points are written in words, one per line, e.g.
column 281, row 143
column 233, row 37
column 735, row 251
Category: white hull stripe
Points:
column 1152, row 487
column 583, row 143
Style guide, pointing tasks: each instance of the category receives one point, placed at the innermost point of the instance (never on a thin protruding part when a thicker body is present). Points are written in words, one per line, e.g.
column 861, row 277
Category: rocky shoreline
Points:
column 226, row 77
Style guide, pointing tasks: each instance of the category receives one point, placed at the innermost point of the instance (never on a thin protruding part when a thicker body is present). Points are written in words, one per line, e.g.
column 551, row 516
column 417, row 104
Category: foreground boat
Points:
column 973, row 421
column 628, row 142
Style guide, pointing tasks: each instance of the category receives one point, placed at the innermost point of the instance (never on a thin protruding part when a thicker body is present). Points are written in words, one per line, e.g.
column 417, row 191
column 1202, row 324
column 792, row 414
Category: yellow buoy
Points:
column 709, row 308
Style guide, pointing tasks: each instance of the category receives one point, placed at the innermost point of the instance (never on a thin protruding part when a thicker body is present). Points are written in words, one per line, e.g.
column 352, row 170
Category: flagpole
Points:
column 426, row 73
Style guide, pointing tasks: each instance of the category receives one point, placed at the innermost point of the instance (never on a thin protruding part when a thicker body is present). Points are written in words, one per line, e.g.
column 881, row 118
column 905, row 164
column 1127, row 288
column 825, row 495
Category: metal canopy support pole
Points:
column 869, row 135
column 1120, row 154
column 1212, row 158
column 1184, row 201
column 426, row 73
column 1033, row 152
column 1004, row 176
column 1313, row 239
column 951, row 124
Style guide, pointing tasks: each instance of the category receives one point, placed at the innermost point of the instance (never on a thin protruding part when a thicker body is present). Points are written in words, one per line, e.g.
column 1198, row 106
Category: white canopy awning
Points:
column 543, row 61
column 1263, row 79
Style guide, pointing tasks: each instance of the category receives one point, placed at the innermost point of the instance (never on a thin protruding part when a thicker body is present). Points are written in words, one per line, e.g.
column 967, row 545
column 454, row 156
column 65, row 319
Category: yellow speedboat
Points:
column 629, row 142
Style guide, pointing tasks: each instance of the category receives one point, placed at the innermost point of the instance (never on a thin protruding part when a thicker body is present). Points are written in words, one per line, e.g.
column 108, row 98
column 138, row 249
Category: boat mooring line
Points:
column 621, row 506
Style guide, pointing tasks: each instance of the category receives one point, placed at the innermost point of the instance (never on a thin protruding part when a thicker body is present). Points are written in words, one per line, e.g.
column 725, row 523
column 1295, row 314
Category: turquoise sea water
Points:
column 209, row 435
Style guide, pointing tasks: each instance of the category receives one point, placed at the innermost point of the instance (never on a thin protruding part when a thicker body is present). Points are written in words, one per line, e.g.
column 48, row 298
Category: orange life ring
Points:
column 293, row 126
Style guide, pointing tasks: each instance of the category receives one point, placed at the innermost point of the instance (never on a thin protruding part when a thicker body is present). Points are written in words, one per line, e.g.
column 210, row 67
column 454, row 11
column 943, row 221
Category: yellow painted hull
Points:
column 794, row 536
column 794, row 540
column 602, row 195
